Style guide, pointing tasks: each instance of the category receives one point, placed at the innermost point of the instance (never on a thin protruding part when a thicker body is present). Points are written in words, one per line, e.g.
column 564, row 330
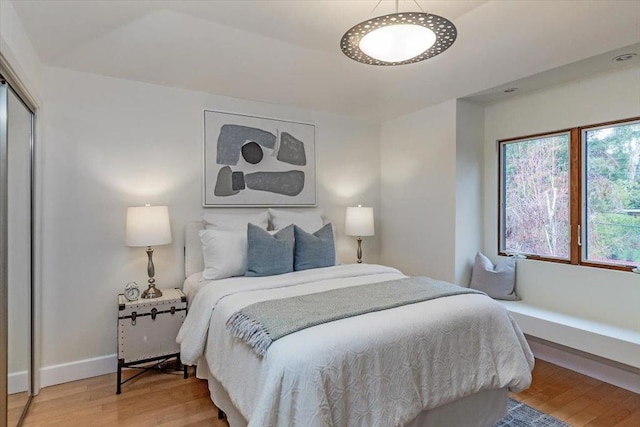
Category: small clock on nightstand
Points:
column 132, row 291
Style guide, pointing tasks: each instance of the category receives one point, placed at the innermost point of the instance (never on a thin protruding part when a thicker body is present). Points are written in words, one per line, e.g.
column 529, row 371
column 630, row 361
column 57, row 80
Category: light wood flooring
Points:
column 580, row 400
column 157, row 399
column 15, row 405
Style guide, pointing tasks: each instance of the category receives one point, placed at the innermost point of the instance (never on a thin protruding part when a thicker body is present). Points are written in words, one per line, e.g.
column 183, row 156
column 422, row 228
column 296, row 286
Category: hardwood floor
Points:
column 580, row 400
column 156, row 399
column 153, row 399
column 15, row 405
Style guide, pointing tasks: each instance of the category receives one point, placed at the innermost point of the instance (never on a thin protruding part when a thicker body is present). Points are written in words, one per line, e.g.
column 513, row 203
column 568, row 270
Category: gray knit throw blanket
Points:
column 260, row 324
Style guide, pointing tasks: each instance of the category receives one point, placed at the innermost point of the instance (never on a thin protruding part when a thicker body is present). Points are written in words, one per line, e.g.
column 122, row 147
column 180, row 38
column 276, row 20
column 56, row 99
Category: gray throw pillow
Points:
column 314, row 250
column 269, row 254
column 497, row 281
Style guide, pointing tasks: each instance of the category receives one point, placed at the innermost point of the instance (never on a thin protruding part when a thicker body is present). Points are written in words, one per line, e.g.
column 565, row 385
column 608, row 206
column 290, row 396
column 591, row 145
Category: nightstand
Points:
column 147, row 331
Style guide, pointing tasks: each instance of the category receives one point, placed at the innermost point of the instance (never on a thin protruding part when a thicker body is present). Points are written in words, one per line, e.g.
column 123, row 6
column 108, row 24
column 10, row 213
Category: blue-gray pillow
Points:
column 314, row 250
column 497, row 281
column 269, row 254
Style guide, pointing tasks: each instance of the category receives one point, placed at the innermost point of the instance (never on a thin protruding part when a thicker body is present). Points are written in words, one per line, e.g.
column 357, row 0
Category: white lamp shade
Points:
column 359, row 222
column 148, row 226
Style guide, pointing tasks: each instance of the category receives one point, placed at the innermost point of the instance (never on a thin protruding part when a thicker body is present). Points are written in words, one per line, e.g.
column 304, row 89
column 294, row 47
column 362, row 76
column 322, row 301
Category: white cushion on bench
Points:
column 611, row 342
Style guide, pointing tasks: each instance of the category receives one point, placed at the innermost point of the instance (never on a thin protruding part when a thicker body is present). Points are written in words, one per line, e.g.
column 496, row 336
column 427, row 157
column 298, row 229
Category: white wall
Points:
column 603, row 295
column 17, row 49
column 418, row 191
column 468, row 208
column 110, row 143
column 431, row 174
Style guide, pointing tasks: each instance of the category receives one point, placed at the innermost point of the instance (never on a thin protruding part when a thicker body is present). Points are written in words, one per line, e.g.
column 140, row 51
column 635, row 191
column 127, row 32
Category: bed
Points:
column 445, row 362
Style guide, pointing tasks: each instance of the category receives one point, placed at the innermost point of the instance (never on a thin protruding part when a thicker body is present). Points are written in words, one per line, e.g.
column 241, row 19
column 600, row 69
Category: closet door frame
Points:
column 9, row 82
column 4, row 276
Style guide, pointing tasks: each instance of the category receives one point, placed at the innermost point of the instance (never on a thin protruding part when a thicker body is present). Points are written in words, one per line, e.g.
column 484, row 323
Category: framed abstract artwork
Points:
column 257, row 161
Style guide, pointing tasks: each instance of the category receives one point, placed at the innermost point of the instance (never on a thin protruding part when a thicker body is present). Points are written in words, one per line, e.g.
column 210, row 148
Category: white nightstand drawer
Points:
column 147, row 328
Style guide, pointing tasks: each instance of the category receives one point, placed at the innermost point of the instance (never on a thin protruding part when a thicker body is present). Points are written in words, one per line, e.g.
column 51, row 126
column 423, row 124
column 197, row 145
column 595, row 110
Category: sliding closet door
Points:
column 4, row 304
column 19, row 145
column 16, row 149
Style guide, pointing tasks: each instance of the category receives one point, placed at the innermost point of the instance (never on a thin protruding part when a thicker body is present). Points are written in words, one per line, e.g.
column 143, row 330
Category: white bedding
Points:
column 378, row 369
column 192, row 285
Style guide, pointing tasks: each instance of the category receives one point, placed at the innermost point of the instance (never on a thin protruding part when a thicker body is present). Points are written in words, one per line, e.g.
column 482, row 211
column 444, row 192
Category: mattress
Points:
column 481, row 409
column 376, row 369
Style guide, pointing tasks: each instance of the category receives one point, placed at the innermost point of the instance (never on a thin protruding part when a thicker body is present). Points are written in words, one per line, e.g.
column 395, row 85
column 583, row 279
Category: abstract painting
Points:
column 257, row 161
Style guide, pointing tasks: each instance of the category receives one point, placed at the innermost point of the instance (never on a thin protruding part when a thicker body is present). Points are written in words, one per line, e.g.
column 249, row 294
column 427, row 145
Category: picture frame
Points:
column 251, row 161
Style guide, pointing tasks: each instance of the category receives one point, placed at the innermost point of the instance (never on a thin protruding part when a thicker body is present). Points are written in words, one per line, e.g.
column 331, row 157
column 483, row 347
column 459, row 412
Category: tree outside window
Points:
column 536, row 196
column 612, row 182
column 573, row 196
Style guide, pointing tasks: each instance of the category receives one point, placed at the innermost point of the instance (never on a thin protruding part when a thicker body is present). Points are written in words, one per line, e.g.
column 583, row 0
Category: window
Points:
column 573, row 196
column 536, row 196
column 612, row 193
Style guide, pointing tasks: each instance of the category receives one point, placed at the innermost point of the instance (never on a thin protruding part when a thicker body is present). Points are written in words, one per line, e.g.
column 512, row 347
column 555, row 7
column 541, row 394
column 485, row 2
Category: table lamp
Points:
column 148, row 226
column 359, row 222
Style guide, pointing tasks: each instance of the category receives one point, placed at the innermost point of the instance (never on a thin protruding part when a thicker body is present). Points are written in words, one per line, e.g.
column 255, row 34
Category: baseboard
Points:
column 18, row 382
column 605, row 370
column 78, row 370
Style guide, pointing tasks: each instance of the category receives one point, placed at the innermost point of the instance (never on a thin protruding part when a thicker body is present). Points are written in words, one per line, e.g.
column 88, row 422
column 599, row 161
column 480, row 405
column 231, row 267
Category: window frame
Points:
column 577, row 198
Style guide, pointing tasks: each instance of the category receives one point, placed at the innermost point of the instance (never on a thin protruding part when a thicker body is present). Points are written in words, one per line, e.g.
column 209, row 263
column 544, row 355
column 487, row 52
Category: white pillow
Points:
column 237, row 222
column 308, row 221
column 224, row 254
column 335, row 242
column 498, row 281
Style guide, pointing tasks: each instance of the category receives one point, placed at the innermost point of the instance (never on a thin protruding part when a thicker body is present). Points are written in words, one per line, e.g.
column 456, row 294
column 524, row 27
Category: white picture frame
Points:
column 251, row 161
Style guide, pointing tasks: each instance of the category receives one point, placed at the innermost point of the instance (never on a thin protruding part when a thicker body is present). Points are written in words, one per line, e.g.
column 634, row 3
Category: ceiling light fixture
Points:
column 399, row 38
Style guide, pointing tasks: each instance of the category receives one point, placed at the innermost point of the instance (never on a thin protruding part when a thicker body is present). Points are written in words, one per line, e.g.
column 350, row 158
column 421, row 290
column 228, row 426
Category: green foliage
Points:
column 614, row 237
column 631, row 198
column 536, row 196
column 613, row 191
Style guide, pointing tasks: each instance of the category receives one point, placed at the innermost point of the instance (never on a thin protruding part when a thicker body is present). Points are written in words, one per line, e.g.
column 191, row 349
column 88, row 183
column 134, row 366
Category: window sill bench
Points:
column 597, row 338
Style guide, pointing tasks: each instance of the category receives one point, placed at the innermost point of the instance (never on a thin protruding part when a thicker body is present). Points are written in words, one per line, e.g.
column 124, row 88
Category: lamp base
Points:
column 152, row 292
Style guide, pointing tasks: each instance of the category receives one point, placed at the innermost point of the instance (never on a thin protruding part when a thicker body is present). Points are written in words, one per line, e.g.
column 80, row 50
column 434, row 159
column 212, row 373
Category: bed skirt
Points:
column 483, row 409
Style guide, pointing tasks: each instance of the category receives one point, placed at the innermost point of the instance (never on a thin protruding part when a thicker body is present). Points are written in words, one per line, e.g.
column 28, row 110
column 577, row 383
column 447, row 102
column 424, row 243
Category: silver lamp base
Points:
column 152, row 292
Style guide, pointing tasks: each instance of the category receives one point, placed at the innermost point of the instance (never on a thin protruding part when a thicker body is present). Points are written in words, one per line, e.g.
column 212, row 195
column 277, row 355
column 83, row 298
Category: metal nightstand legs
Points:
column 156, row 367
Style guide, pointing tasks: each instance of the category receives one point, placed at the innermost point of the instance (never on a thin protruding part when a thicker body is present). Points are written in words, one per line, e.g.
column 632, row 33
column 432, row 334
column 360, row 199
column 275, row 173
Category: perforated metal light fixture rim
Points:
column 446, row 33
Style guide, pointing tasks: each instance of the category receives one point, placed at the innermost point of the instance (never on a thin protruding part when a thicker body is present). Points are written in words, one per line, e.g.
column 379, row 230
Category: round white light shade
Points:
column 359, row 222
column 148, row 226
column 397, row 43
column 398, row 39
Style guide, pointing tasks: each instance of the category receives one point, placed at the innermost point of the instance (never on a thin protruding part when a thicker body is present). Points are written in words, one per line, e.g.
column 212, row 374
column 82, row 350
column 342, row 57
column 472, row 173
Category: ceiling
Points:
column 287, row 52
column 574, row 71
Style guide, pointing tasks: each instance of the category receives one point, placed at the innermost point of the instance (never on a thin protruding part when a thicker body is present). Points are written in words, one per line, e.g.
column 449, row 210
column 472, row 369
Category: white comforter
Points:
column 377, row 369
